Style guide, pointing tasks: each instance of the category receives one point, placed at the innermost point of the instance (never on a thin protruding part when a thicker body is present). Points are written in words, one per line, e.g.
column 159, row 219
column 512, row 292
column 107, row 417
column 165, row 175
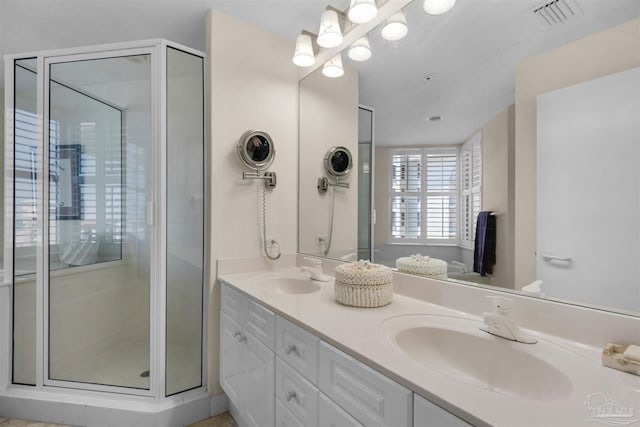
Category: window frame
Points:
column 469, row 216
column 423, row 195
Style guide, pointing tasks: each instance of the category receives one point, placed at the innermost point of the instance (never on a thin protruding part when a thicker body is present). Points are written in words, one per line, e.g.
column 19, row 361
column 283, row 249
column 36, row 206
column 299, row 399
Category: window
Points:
column 25, row 190
column 424, row 194
column 471, row 191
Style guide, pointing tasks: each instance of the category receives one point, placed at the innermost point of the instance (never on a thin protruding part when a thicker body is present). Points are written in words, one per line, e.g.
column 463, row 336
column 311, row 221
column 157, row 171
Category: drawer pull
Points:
column 291, row 395
column 290, row 348
column 236, row 334
column 241, row 338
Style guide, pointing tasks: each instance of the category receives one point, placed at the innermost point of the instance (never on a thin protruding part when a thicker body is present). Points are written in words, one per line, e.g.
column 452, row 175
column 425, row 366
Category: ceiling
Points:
column 470, row 52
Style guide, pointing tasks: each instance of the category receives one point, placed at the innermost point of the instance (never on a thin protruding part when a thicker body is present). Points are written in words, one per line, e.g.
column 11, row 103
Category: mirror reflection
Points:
column 490, row 109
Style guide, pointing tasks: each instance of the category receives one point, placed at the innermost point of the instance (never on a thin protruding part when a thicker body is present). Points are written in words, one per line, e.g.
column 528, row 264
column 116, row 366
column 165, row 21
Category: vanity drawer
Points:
column 284, row 417
column 331, row 415
column 298, row 348
column 371, row 398
column 233, row 304
column 261, row 323
column 297, row 394
column 429, row 414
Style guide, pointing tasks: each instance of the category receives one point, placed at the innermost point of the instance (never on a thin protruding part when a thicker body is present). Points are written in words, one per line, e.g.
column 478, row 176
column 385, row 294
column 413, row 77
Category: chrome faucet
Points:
column 315, row 270
column 501, row 322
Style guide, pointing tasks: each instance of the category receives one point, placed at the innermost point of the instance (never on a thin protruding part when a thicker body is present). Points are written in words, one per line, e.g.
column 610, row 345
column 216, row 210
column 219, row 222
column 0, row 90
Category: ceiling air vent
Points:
column 556, row 12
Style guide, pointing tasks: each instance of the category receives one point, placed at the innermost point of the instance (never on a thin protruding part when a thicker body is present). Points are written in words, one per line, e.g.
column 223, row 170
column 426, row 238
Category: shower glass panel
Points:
column 185, row 220
column 25, row 128
column 99, row 160
column 365, row 173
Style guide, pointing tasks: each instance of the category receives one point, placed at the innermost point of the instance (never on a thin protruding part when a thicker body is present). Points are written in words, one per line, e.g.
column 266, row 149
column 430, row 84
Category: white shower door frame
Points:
column 156, row 219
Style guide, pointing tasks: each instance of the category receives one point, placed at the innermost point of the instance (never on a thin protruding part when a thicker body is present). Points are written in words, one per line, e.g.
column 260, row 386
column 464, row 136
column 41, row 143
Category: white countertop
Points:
column 360, row 333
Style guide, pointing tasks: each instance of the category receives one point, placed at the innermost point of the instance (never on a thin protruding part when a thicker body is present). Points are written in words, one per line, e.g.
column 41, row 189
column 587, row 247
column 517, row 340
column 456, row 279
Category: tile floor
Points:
column 222, row 420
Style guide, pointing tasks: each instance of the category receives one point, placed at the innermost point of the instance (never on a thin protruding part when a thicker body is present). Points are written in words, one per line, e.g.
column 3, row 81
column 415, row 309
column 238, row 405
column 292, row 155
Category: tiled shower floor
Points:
column 123, row 365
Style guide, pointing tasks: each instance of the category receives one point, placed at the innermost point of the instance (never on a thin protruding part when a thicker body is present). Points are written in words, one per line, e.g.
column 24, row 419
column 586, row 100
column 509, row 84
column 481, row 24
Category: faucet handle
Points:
column 501, row 305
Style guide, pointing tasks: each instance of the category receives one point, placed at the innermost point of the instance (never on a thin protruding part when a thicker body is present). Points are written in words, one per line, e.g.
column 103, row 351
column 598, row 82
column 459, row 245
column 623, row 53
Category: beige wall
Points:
column 598, row 55
column 497, row 190
column 328, row 117
column 253, row 85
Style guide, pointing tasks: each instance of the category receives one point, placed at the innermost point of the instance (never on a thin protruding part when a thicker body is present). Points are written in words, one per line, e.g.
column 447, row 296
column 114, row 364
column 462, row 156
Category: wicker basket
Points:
column 363, row 284
column 423, row 266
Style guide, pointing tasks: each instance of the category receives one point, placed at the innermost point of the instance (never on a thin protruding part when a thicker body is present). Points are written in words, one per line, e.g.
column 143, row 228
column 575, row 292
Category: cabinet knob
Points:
column 236, row 334
column 241, row 338
column 290, row 395
column 290, row 348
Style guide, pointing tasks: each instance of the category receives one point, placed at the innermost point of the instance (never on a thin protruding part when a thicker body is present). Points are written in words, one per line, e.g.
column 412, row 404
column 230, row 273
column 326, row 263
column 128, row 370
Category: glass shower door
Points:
column 98, row 183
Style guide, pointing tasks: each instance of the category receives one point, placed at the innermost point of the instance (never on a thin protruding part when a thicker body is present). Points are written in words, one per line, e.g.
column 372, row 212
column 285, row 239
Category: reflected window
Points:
column 424, row 196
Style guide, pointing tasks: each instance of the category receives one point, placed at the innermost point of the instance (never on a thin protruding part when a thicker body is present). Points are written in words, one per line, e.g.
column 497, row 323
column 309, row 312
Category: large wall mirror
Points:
column 490, row 107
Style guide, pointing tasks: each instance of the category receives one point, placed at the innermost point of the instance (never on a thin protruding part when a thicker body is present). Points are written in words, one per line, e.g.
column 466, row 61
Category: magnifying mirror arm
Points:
column 340, row 184
column 270, row 179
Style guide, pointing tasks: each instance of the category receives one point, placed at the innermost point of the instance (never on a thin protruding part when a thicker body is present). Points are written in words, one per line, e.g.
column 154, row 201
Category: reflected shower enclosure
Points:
column 105, row 162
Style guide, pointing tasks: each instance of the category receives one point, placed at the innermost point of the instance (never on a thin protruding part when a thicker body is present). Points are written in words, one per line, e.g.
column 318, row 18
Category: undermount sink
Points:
column 457, row 348
column 290, row 285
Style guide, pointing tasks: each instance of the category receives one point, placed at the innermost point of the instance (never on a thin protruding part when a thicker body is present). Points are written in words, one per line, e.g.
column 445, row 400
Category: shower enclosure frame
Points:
column 156, row 217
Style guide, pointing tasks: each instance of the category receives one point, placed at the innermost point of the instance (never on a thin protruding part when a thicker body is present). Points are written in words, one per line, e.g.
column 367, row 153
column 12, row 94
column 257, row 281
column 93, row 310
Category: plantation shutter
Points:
column 406, row 203
column 442, row 195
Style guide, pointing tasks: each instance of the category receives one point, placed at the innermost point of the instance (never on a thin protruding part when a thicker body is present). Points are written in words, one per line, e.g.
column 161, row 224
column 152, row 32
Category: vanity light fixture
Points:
column 333, row 67
column 303, row 56
column 360, row 50
column 395, row 27
column 330, row 34
column 362, row 11
column 437, row 7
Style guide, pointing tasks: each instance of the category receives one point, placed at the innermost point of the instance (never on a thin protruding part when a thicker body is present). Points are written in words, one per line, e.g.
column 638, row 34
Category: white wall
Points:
column 607, row 52
column 589, row 209
column 328, row 117
column 253, row 86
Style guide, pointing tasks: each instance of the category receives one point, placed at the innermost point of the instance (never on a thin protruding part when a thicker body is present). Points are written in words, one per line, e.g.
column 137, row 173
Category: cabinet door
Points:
column 233, row 304
column 259, row 383
column 261, row 323
column 427, row 414
column 231, row 360
column 297, row 394
column 331, row 415
column 298, row 348
column 284, row 418
column 368, row 396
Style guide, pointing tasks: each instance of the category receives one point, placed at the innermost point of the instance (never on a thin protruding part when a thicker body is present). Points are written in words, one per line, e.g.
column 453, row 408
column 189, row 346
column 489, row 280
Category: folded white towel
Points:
column 632, row 353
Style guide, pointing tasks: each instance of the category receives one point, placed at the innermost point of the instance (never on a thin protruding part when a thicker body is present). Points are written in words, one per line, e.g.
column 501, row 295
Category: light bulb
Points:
column 395, row 27
column 437, row 7
column 362, row 11
column 333, row 67
column 303, row 55
column 360, row 50
column 330, row 34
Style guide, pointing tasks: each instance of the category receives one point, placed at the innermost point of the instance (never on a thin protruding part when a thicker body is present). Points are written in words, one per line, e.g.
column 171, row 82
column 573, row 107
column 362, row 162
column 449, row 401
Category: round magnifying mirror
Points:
column 256, row 149
column 338, row 162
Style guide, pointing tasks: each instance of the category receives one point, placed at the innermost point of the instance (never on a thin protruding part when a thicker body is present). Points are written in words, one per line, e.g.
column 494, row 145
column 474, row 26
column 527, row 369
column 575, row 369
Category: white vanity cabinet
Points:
column 277, row 373
column 426, row 414
column 247, row 360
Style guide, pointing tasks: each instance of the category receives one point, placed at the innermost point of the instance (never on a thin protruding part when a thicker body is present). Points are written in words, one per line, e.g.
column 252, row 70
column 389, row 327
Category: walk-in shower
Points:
column 105, row 219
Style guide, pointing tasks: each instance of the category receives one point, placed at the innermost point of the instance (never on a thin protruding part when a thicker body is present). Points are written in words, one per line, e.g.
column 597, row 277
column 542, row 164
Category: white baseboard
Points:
column 218, row 405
